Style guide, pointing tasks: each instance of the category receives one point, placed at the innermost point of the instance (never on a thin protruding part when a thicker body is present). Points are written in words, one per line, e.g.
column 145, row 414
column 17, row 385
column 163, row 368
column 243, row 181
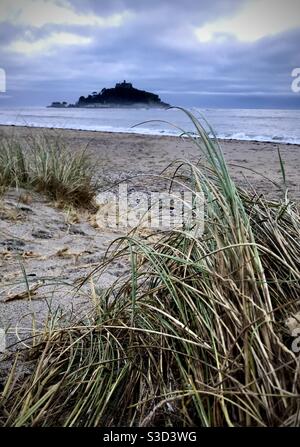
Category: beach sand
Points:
column 120, row 155
column 57, row 248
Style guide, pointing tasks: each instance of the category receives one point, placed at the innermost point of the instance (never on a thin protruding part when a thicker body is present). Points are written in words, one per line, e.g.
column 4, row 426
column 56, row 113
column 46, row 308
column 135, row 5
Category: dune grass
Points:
column 13, row 166
column 194, row 336
column 47, row 165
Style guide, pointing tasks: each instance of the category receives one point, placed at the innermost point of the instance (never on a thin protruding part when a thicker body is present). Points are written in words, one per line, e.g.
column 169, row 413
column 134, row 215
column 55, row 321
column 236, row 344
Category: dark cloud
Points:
column 157, row 49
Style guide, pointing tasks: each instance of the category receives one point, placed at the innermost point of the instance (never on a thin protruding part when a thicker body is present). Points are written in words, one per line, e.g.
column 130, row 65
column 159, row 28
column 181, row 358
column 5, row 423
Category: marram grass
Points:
column 47, row 165
column 195, row 336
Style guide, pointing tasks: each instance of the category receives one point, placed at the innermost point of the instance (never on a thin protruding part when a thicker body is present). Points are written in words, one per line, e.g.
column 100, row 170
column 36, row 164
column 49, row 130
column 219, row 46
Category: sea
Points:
column 279, row 126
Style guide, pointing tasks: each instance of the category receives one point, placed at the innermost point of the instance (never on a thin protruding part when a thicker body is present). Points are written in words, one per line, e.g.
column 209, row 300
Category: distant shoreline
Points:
column 114, row 106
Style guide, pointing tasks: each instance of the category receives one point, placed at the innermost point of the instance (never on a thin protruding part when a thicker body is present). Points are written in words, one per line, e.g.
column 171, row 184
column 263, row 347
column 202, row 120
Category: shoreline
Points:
column 164, row 135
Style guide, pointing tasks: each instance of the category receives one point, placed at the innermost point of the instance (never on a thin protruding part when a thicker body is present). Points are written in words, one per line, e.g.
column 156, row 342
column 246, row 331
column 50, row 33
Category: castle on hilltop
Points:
column 124, row 84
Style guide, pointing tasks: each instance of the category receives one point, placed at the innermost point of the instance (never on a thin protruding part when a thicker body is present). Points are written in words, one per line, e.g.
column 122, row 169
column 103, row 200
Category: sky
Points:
column 207, row 53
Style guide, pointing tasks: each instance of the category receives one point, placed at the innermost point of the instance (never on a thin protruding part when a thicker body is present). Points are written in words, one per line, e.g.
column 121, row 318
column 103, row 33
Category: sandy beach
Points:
column 119, row 155
column 49, row 253
column 57, row 248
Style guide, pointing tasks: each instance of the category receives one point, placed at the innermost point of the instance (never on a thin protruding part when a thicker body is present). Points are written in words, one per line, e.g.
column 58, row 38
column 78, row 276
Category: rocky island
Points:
column 122, row 95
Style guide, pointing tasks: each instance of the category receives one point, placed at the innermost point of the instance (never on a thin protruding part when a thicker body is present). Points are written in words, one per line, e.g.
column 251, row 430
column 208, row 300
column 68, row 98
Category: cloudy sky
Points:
column 210, row 53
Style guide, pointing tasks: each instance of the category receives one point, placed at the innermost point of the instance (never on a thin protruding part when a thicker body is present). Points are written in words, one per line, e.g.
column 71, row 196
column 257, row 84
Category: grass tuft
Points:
column 49, row 166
